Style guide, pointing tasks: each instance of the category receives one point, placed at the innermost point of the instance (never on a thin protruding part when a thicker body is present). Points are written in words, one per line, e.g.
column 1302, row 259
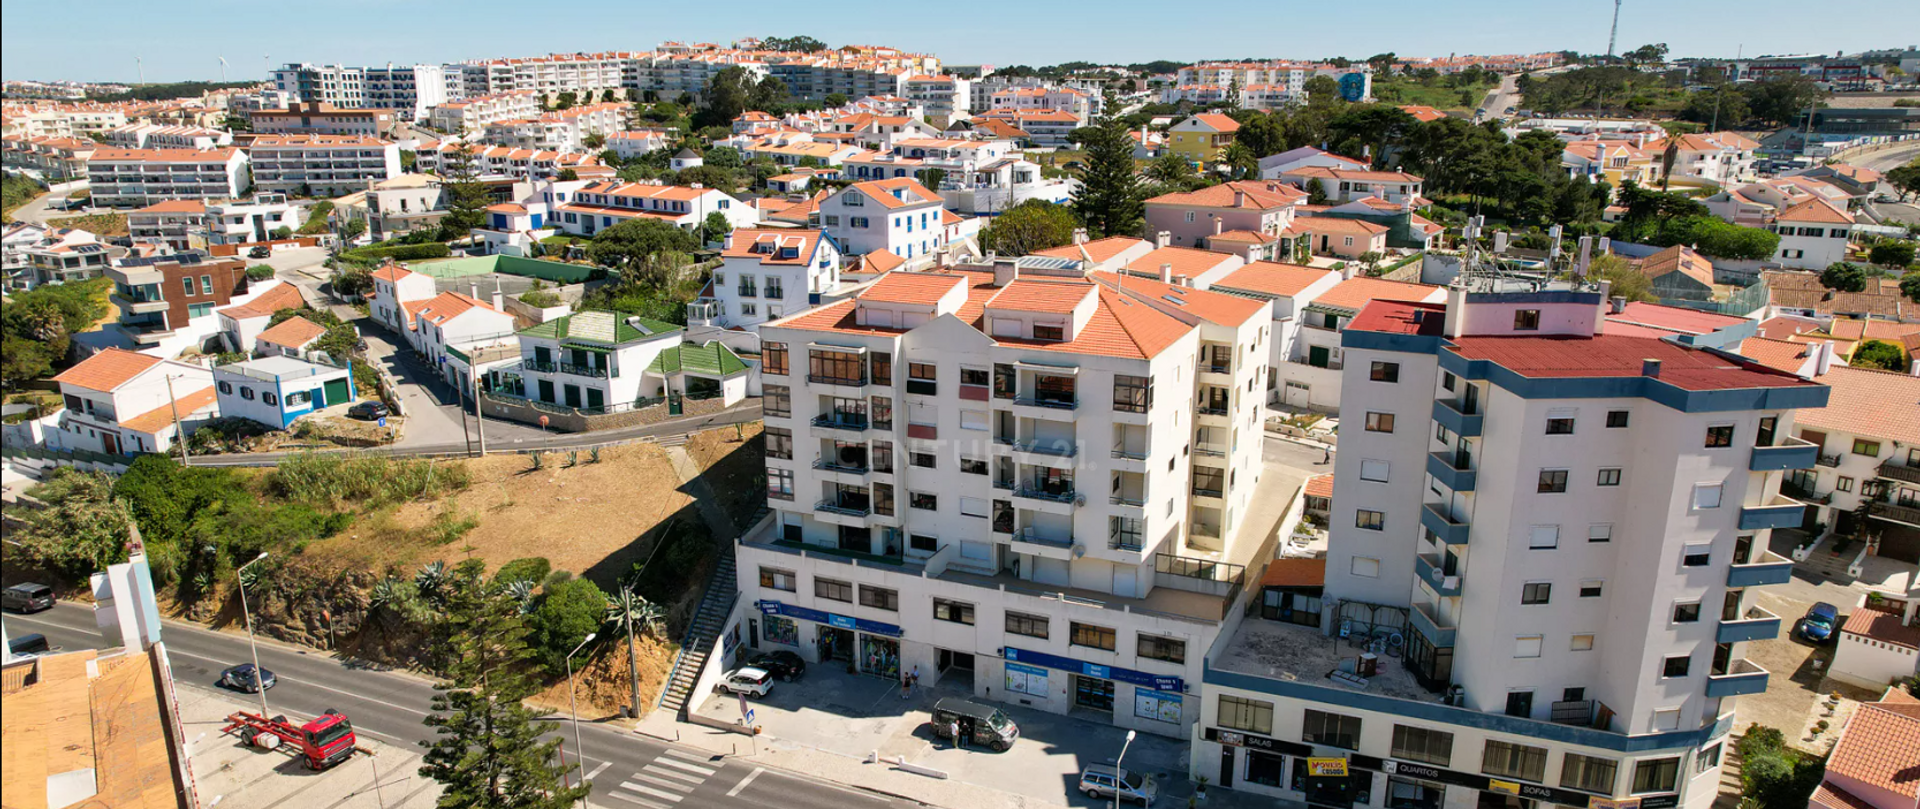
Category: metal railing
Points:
column 832, row 466
column 1056, row 404
column 841, row 422
column 1068, row 496
column 1210, row 410
column 823, row 379
column 1124, row 454
column 832, row 507
column 583, row 370
column 1059, row 449
column 1123, row 500
column 1033, row 536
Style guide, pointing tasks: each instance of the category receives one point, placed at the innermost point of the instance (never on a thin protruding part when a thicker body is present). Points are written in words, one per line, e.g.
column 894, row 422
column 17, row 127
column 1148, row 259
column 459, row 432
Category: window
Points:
column 1609, row 476
column 1370, row 520
column 773, row 358
column 206, row 285
column 1172, row 650
column 1250, row 715
column 1093, row 637
column 1132, row 394
column 956, row 612
column 1536, row 592
column 1706, row 495
column 1591, row 588
column 224, row 386
column 1366, row 567
column 832, row 590
column 1686, row 612
column 774, row 578
column 1675, row 666
column 779, row 443
column 882, row 457
column 1656, row 774
column 1386, row 372
column 1552, row 481
column 1447, row 380
column 1870, row 449
column 1442, row 434
column 923, row 501
column 1032, row 626
column 834, row 367
column 1050, row 334
column 973, row 507
column 1526, row 320
column 1511, row 760
column 1375, row 471
column 1543, row 537
column 246, row 393
column 1616, row 419
column 1719, row 435
column 923, row 460
column 299, row 397
column 1560, row 425
column 1581, row 643
column 880, row 365
column 922, row 378
column 879, row 598
column 1330, row 729
column 269, row 398
column 974, row 377
column 1526, row 646
column 923, row 543
column 1423, row 744
column 973, row 466
column 1600, row 532
column 1696, row 555
column 1708, row 759
column 882, row 414
column 780, row 484
column 1842, row 484
column 1588, row 773
column 776, row 401
column 187, row 282
column 1379, row 422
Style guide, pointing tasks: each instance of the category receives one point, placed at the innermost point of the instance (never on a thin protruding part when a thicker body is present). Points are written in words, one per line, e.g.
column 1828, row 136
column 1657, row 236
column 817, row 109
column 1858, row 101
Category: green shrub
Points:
column 405, row 252
column 369, row 480
column 259, row 272
column 561, row 618
column 533, row 570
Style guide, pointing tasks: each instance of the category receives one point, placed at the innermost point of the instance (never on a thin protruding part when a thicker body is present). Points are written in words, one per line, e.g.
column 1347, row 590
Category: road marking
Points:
column 691, row 779
column 694, row 757
column 598, row 770
column 634, row 800
column 310, row 684
column 650, row 791
column 683, row 765
column 745, row 781
column 673, row 785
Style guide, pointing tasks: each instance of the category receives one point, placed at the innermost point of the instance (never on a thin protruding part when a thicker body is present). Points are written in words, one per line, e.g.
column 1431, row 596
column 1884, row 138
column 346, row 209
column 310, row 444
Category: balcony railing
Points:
column 1047, row 402
column 1434, row 518
column 1058, row 449
column 1211, row 450
column 1209, row 491
column 1828, row 460
column 840, row 422
column 1908, row 513
column 1792, row 453
column 1900, row 471
column 823, row 379
column 595, row 371
column 542, row 366
column 832, row 507
column 1804, row 494
column 1125, row 454
column 1124, row 500
column 836, row 466
column 1745, row 677
column 1216, row 368
column 1768, row 568
column 1035, row 536
column 1759, row 624
column 1431, row 570
column 1068, row 496
column 1212, row 410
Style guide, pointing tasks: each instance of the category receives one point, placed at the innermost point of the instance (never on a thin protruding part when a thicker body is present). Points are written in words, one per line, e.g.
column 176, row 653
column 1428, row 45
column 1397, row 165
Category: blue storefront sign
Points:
column 771, row 607
column 1159, row 682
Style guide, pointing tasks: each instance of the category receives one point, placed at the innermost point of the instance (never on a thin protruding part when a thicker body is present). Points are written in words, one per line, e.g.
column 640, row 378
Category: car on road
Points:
column 241, row 678
column 368, row 411
column 28, row 597
column 32, row 645
column 1817, row 625
column 1103, row 781
column 976, row 724
column 751, row 682
column 262, row 251
column 785, row 665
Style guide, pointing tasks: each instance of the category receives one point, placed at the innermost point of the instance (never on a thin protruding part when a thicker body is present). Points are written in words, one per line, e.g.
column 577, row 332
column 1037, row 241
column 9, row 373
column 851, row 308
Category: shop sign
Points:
column 1158, row 682
column 842, row 622
column 1564, row 797
column 1327, row 767
column 1666, row 801
column 1497, row 785
column 1235, row 738
column 772, row 607
column 1598, row 802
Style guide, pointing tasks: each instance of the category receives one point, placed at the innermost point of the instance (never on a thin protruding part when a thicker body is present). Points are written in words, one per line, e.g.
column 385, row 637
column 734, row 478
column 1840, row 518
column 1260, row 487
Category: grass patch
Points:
column 1440, row 92
column 99, row 224
column 370, row 481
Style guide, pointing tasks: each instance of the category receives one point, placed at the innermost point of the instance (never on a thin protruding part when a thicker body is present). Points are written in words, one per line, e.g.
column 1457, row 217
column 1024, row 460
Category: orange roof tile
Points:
column 743, row 241
column 1214, row 307
column 1784, row 355
column 1882, row 626
column 1186, row 261
column 159, row 418
column 880, row 261
column 1354, row 293
column 1273, row 278
column 391, row 272
column 1816, row 210
column 1262, row 194
column 280, row 296
column 1098, row 249
column 449, row 305
column 1218, row 122
column 1294, row 571
column 294, row 332
column 1866, row 402
column 1320, row 486
column 883, row 191
column 1337, row 226
column 108, row 370
column 1033, row 295
column 915, row 288
column 176, row 206
column 1876, row 748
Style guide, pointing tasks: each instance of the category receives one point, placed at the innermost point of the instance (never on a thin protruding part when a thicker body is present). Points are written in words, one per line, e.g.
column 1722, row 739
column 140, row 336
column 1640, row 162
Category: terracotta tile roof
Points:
column 294, row 332
column 880, row 261
column 1871, row 329
column 742, row 241
column 883, row 191
column 1784, row 355
column 1337, row 226
column 391, row 272
column 1098, row 249
column 1866, row 402
column 916, row 288
column 1326, row 172
column 1242, row 237
column 1802, row 290
column 1781, row 328
column 1401, row 317
column 176, row 206
column 1608, row 356
column 1218, row 122
column 449, row 305
column 1877, row 748
column 1320, row 485
column 1681, row 259
column 107, row 370
column 1186, row 261
column 1274, row 278
column 159, row 418
column 280, row 296
column 1295, row 572
column 1255, row 194
column 1034, row 295
column 1816, row 210
column 1881, row 626
column 1423, row 113
column 1213, row 307
column 1355, row 293
column 1828, row 796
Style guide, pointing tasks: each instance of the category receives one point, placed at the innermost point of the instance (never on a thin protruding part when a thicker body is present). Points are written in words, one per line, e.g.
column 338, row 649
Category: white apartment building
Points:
column 998, row 92
column 321, row 165
column 249, row 220
column 124, row 403
column 1536, row 588
column 936, row 451
column 1347, row 185
column 155, row 136
column 496, row 162
column 171, row 223
column 409, row 90
column 563, row 130
column 475, row 113
column 767, row 274
column 636, row 142
column 897, row 215
column 316, row 118
column 593, row 361
column 1869, row 455
column 1813, row 234
column 941, row 98
column 1715, row 158
column 599, row 205
column 1309, row 363
column 135, row 178
column 323, row 84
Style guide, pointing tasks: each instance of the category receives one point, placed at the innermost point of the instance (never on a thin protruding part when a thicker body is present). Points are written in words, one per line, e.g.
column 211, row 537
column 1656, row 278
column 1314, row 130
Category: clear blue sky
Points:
column 98, row 40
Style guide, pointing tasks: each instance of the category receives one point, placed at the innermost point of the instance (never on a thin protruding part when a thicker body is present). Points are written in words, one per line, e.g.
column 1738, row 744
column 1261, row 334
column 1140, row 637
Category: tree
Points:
column 931, row 178
column 802, row 44
column 463, row 194
column 568, row 99
column 715, row 228
column 625, row 244
column 1369, row 260
column 727, row 96
column 561, row 619
column 1647, row 55
column 1780, row 101
column 1323, row 88
column 1879, row 354
column 1110, row 198
column 632, row 613
column 488, row 751
column 1030, row 226
column 1843, row 276
column 725, row 157
column 594, row 141
column 81, row 531
column 768, row 94
column 1906, row 179
column 1910, row 286
column 1171, row 172
column 706, row 177
column 1667, row 158
column 1626, row 282
column 1891, row 254
column 35, row 327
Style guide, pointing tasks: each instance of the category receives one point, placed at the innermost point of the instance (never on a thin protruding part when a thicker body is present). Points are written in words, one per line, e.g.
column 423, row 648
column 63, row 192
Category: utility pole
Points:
column 479, row 420
column 179, row 432
column 1614, row 36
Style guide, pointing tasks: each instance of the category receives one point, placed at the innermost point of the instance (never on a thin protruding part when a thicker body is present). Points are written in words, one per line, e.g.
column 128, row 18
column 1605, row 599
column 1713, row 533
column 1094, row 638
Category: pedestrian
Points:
column 1329, row 457
column 953, row 732
column 916, row 676
column 905, row 684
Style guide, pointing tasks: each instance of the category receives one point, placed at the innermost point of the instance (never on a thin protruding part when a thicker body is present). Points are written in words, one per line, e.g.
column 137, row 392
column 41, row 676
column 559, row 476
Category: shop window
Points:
column 1588, row 773
column 1250, row 715
column 1509, row 760
column 1032, row 626
column 1331, row 729
column 1265, row 769
column 774, row 578
column 1422, row 744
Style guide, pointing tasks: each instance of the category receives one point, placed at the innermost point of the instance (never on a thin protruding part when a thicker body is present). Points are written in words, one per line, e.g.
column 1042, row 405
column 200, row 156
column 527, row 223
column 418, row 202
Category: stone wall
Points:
column 569, row 420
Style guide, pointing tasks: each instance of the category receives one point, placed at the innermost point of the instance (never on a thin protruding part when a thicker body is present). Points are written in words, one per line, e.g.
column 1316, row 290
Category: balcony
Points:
column 840, row 421
column 1210, row 450
column 1054, row 453
column 594, row 371
column 1435, row 631
column 1796, row 453
column 1050, row 408
column 1122, row 453
column 843, row 381
column 1758, row 624
column 1805, row 494
column 1214, row 492
column 1745, row 677
column 1067, row 497
column 847, row 508
column 1428, row 566
column 1457, row 421
column 1452, row 470
column 1434, row 518
column 1895, row 470
column 1896, row 512
column 138, row 304
column 1128, row 501
column 1046, row 544
column 1121, row 539
column 1776, row 514
column 1769, row 568
column 825, row 465
column 1830, row 461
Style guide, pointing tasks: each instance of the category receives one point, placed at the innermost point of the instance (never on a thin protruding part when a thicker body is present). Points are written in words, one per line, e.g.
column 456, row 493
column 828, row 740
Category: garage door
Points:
column 336, row 391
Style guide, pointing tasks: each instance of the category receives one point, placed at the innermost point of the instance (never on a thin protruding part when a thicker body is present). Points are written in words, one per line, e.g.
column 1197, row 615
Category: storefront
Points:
column 1109, row 690
column 873, row 646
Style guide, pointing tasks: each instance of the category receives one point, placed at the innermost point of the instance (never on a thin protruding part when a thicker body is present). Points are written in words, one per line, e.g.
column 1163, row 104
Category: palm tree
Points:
column 630, row 611
column 1241, row 159
column 1667, row 158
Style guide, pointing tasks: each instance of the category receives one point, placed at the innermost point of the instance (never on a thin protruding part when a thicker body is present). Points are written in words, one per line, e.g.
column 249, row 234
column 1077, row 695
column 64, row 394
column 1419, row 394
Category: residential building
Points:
column 1615, row 161
column 1858, row 183
column 565, row 130
column 321, row 165
column 767, row 274
column 935, row 485
column 501, row 162
column 1194, row 218
column 898, row 215
column 170, row 223
column 1710, row 158
column 1870, row 766
column 474, row 114
column 410, row 91
column 294, row 337
column 1680, row 273
column 276, row 390
column 242, row 325
column 250, row 220
column 125, row 403
column 318, row 118
column 1290, row 288
column 1813, row 234
column 603, row 204
column 943, row 98
column 1867, row 480
column 592, row 361
column 160, row 297
column 634, row 143
column 448, row 329
column 344, row 87
column 1879, row 642
column 1272, row 166
column 1042, row 127
column 155, row 136
column 1757, row 204
column 1338, row 236
column 1799, row 295
column 1034, row 94
column 56, row 159
column 136, row 178
column 1108, row 254
column 1202, row 138
column 1185, row 266
column 65, row 255
column 1342, row 185
column 394, row 288
column 512, row 228
column 1560, row 544
column 402, row 205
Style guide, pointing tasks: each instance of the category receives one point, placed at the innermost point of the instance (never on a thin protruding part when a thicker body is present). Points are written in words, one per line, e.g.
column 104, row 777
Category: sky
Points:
column 182, row 41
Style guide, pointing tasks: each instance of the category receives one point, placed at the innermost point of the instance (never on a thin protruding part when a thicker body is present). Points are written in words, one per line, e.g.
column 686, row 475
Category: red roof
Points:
column 1032, row 295
column 294, row 332
column 1608, row 356
column 1673, row 318
column 1218, row 122
column 1876, row 748
column 188, row 403
column 1401, row 317
column 1882, row 626
column 107, row 370
column 1274, row 278
column 1295, row 571
column 920, row 289
column 1816, row 210
column 1355, row 293
column 280, row 296
column 1784, row 355
column 1320, row 486
column 1214, row 307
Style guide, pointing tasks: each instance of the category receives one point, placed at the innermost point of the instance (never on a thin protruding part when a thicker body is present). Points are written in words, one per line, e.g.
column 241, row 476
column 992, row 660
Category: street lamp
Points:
column 259, row 674
column 1118, row 779
column 578, row 753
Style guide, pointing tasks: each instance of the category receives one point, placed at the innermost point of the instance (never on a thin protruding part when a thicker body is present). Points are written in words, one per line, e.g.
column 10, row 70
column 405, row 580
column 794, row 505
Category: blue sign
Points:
column 1161, row 682
column 842, row 622
column 771, row 607
column 383, row 421
column 1353, row 86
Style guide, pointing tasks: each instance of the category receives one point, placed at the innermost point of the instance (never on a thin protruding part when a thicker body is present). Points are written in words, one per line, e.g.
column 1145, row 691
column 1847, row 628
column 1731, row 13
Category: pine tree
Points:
column 1111, row 199
column 489, row 753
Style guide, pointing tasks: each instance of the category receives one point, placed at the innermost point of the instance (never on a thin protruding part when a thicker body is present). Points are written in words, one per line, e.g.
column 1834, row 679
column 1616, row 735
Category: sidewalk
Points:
column 241, row 777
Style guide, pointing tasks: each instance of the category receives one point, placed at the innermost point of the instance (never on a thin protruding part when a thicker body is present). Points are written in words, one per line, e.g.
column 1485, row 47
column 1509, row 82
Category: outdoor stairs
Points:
column 700, row 640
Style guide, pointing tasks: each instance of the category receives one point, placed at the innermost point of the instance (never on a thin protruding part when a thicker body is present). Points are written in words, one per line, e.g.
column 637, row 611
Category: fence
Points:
column 97, row 461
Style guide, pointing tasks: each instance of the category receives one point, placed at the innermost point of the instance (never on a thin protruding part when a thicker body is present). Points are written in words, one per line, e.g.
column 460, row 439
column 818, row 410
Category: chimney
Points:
column 1822, row 358
column 1239, row 198
column 1619, row 304
column 1650, row 367
column 1218, row 224
column 1005, row 270
column 499, row 305
column 1162, row 239
column 1079, row 235
column 1166, row 272
column 473, row 289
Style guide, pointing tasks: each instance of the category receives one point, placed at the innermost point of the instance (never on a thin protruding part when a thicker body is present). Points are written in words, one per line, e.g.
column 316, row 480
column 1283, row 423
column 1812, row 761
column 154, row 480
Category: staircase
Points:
column 699, row 642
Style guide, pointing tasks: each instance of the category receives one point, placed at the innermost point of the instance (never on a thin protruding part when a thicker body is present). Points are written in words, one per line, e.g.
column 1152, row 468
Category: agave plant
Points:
column 632, row 613
column 521, row 592
column 431, row 582
column 593, row 455
column 536, row 462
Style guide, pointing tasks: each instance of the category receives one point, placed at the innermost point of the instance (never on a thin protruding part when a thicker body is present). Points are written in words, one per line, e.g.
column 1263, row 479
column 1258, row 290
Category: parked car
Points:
column 368, row 411
column 28, row 597
column 1817, row 625
column 240, row 678
column 747, row 680
column 978, row 724
column 1102, row 781
column 784, row 665
column 262, row 251
column 32, row 645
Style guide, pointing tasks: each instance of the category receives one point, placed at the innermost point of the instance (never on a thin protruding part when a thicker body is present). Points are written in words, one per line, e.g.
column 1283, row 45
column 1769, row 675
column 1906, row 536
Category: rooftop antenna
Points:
column 1614, row 36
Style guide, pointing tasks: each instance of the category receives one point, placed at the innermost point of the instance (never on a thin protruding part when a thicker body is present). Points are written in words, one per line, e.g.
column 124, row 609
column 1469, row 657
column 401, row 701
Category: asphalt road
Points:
column 1891, row 213
column 625, row 769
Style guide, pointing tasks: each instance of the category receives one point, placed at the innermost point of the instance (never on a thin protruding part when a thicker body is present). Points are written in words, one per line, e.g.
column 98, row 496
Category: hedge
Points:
column 405, row 252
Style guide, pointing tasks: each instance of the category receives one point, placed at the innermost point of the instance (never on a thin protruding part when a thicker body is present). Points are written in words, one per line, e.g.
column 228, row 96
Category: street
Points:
column 625, row 769
column 1891, row 212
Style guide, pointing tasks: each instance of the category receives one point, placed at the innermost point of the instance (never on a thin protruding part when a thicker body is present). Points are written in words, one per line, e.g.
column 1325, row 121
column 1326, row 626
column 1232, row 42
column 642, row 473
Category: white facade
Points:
column 899, row 216
column 119, row 402
column 321, row 165
column 276, row 390
column 136, row 178
column 593, row 361
column 409, row 90
column 474, row 114
column 1813, row 235
column 767, row 274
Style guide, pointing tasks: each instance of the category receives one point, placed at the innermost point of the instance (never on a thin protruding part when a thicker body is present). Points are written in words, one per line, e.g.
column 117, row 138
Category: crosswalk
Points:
column 667, row 780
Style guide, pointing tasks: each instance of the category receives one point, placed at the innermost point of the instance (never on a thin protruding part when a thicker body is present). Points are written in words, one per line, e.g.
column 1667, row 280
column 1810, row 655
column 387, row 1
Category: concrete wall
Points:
column 1871, row 663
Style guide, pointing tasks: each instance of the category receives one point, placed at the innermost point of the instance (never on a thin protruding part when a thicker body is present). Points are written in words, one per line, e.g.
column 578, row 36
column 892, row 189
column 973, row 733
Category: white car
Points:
column 750, row 681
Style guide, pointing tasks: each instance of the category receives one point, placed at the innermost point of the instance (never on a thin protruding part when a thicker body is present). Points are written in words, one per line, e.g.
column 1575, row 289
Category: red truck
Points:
column 324, row 742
